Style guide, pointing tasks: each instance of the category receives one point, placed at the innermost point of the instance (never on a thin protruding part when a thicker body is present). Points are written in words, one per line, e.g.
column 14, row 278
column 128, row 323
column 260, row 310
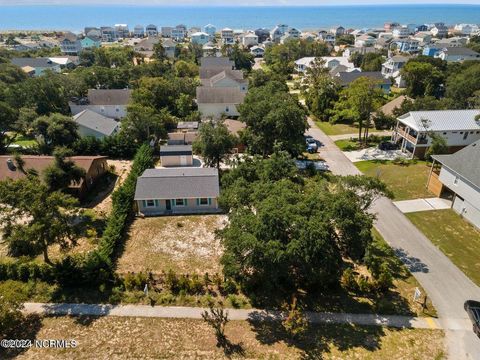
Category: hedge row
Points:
column 96, row 266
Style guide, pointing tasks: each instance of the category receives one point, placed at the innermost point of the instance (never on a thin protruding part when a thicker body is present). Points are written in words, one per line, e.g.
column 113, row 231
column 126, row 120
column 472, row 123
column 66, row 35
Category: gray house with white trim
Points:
column 92, row 124
column 459, row 174
column 177, row 191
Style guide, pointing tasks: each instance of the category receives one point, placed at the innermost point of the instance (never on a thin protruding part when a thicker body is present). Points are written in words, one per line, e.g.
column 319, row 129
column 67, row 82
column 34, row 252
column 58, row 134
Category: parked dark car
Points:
column 311, row 143
column 387, row 145
column 473, row 310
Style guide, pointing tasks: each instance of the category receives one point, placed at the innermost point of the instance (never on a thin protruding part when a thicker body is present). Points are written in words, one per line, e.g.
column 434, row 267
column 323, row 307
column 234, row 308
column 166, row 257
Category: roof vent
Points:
column 11, row 165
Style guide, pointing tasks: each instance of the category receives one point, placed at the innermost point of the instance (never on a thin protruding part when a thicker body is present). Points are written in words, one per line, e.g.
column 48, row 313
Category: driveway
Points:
column 408, row 206
column 447, row 286
column 373, row 153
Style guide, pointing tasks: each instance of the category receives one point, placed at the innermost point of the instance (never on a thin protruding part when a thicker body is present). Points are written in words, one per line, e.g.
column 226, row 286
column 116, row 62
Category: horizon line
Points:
column 133, row 4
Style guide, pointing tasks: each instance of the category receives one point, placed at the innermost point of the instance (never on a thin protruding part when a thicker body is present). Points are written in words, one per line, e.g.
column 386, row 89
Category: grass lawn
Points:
column 336, row 129
column 184, row 244
column 154, row 338
column 456, row 237
column 350, row 145
column 24, row 141
column 406, row 181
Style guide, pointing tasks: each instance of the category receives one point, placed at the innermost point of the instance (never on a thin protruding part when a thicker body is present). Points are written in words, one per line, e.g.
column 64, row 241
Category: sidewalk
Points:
column 177, row 312
column 408, row 206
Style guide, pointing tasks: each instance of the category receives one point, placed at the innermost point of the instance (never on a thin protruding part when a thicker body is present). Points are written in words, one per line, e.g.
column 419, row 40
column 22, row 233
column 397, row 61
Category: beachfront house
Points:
column 227, row 37
column 458, row 176
column 458, row 127
column 70, row 44
column 177, row 191
column 200, row 38
column 151, row 30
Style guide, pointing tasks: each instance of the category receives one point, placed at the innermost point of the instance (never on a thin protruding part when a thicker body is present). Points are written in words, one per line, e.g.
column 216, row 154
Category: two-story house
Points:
column 458, row 127
column 391, row 68
column 70, row 44
column 458, row 174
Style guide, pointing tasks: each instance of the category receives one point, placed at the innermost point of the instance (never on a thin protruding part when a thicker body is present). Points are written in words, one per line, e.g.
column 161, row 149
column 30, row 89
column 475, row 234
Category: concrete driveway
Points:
column 445, row 284
column 374, row 153
column 408, row 206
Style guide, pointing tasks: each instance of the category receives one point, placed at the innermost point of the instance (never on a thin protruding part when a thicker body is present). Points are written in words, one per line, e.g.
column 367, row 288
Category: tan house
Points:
column 95, row 167
column 185, row 134
column 177, row 191
column 176, row 155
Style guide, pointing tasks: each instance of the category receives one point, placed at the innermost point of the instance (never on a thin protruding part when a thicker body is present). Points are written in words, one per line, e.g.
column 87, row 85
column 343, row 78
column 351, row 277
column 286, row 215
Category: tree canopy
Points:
column 288, row 233
column 273, row 116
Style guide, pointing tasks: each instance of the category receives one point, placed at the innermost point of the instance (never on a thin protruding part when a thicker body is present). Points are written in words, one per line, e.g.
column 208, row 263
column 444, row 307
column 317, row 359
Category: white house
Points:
column 151, row 30
column 249, row 39
column 227, row 36
column 331, row 62
column 439, row 30
column 327, row 37
column 459, row 174
column 121, row 30
column 400, row 32
column 457, row 54
column 458, row 127
column 139, row 31
column 111, row 103
column 466, row 29
column 257, row 51
column 199, row 38
column 277, row 32
column 392, row 67
column 365, row 41
column 92, row 124
column 227, row 79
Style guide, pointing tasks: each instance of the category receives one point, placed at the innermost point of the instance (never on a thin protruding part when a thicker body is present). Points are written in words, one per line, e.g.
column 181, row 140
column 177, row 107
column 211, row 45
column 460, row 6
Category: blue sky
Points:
column 237, row 3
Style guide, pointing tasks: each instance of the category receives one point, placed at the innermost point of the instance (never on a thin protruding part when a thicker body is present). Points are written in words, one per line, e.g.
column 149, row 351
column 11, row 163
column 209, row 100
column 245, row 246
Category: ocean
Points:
column 75, row 18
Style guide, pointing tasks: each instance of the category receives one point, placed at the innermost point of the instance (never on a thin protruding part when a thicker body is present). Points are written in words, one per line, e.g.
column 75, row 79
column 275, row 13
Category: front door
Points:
column 183, row 160
column 168, row 204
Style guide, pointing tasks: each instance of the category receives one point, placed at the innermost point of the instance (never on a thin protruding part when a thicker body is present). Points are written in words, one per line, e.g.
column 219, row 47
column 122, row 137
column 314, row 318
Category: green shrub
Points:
column 348, row 281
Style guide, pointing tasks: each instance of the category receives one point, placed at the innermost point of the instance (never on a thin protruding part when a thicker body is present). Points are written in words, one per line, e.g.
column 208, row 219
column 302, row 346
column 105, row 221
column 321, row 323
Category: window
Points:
column 203, row 201
column 227, row 109
column 150, row 203
column 179, row 202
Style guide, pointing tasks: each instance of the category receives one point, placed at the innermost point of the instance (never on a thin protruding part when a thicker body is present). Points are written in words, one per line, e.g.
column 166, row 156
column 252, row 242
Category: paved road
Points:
column 175, row 312
column 446, row 285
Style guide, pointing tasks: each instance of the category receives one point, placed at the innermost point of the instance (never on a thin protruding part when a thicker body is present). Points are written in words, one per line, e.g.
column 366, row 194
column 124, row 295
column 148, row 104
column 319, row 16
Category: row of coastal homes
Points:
column 413, row 130
column 222, row 88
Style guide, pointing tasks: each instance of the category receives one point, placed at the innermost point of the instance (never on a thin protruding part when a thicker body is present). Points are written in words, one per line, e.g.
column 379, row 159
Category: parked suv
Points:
column 473, row 310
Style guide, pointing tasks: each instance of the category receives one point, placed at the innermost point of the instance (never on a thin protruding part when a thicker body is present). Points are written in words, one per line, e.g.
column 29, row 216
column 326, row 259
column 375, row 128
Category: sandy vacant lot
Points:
column 102, row 204
column 185, row 244
column 151, row 338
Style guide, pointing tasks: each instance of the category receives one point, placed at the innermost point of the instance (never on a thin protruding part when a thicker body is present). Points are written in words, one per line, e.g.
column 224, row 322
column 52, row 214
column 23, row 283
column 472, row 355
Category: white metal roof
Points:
column 442, row 120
